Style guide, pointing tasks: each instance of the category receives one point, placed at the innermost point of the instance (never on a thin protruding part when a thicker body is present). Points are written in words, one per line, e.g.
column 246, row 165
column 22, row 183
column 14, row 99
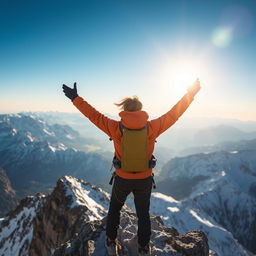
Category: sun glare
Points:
column 183, row 76
column 181, row 73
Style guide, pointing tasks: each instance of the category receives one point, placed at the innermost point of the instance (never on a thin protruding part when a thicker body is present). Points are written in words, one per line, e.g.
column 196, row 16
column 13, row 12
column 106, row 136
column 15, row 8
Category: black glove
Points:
column 69, row 92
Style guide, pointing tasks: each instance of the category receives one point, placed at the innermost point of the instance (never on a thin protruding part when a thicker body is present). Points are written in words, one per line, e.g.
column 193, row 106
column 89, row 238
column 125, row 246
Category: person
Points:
column 139, row 183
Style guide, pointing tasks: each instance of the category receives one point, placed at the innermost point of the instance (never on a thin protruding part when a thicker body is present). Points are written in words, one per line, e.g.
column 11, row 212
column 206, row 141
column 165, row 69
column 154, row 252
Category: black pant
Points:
column 141, row 188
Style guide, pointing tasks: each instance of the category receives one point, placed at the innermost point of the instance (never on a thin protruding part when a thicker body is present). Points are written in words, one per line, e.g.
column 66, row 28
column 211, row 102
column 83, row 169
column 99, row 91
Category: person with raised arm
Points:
column 134, row 137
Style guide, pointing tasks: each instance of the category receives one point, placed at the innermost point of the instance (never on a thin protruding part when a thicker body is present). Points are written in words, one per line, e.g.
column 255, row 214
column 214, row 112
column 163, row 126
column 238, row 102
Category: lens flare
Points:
column 222, row 36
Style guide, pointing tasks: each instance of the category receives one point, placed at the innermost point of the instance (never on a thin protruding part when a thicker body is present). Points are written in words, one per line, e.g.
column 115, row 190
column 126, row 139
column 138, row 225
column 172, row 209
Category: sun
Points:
column 180, row 73
column 183, row 76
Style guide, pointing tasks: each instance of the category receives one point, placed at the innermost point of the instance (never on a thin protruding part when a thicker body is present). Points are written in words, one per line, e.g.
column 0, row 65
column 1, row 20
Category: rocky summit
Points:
column 165, row 240
column 71, row 221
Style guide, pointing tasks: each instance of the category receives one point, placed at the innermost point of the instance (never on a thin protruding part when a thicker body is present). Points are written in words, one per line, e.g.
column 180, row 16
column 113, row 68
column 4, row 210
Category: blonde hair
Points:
column 130, row 104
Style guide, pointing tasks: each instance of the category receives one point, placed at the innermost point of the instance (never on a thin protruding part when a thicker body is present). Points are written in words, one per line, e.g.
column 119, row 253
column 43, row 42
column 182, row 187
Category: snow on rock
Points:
column 234, row 210
column 226, row 191
column 85, row 194
column 16, row 229
column 185, row 218
column 239, row 167
column 178, row 215
column 72, row 202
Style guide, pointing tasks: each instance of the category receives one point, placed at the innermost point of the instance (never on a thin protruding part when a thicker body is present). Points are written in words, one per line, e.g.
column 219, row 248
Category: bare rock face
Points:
column 58, row 220
column 192, row 243
column 8, row 198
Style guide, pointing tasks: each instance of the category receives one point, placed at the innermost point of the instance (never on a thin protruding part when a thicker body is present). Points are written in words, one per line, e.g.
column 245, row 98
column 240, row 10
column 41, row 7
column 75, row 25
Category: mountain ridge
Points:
column 221, row 184
column 76, row 210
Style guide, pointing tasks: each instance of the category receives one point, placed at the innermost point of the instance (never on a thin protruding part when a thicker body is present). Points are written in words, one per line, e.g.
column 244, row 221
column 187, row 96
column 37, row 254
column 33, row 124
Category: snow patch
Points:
column 62, row 147
column 222, row 173
column 69, row 136
column 30, row 137
column 96, row 201
column 164, row 197
column 48, row 133
column 59, row 147
column 204, row 221
column 173, row 209
column 53, row 149
column 92, row 148
column 14, row 131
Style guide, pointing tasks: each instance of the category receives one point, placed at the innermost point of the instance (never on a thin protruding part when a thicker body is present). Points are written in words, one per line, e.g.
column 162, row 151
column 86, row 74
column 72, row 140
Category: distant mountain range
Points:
column 222, row 146
column 35, row 154
column 186, row 133
column 215, row 184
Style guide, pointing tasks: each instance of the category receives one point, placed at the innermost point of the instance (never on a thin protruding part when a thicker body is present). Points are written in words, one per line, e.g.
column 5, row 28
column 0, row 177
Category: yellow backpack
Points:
column 134, row 149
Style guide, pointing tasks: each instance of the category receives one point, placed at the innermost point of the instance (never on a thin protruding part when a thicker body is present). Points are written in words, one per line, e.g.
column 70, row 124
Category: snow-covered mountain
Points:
column 30, row 128
column 71, row 221
column 186, row 133
column 185, row 216
column 79, row 123
column 221, row 185
column 35, row 154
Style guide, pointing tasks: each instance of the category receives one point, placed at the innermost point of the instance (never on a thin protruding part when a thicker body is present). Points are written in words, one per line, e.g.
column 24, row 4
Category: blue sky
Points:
column 114, row 49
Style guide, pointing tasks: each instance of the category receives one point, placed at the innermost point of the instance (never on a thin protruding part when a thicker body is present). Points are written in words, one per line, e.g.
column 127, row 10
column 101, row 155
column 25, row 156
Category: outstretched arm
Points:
column 164, row 122
column 104, row 123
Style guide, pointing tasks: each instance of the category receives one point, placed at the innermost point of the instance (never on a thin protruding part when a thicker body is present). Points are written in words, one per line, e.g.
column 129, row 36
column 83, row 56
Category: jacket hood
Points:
column 134, row 120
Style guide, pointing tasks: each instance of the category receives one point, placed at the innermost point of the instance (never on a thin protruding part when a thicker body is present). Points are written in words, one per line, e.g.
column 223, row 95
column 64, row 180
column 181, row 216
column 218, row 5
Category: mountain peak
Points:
column 72, row 220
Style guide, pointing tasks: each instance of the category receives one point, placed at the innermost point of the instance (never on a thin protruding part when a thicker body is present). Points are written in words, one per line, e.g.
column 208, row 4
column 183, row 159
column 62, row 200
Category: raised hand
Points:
column 195, row 88
column 69, row 92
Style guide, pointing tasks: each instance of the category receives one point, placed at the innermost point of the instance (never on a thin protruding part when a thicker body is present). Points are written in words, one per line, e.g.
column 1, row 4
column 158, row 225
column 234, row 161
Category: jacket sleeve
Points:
column 164, row 122
column 104, row 123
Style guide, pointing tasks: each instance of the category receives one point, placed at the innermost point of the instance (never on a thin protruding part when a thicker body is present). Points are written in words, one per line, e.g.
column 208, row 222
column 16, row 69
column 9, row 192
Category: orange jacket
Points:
column 134, row 120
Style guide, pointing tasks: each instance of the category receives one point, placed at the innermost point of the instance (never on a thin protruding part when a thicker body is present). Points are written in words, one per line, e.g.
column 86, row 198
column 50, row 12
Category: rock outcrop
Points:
column 16, row 228
column 8, row 198
column 164, row 240
column 65, row 211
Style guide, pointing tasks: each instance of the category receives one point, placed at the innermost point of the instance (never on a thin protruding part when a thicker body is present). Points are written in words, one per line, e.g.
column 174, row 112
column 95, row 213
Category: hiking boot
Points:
column 144, row 251
column 111, row 247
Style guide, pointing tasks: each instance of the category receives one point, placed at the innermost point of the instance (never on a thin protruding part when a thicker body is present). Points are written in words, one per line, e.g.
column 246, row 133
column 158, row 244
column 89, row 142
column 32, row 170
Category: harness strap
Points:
column 112, row 178
column 153, row 181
